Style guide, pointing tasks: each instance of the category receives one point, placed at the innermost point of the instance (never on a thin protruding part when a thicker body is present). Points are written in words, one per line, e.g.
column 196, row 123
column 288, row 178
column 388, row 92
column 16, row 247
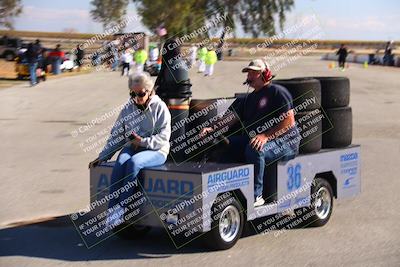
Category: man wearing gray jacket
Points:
column 142, row 130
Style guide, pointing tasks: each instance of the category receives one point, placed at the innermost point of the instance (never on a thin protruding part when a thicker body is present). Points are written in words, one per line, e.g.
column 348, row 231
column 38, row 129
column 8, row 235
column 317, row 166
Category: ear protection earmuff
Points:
column 267, row 73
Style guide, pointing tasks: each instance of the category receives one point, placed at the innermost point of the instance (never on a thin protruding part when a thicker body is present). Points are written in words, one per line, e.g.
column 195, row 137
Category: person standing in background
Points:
column 32, row 55
column 388, row 59
column 115, row 56
column 57, row 57
column 211, row 59
column 201, row 55
column 192, row 55
column 140, row 59
column 342, row 52
column 126, row 59
column 154, row 53
column 79, row 56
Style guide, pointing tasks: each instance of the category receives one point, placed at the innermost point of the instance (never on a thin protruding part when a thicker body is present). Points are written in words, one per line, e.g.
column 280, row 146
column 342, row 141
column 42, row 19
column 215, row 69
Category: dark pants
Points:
column 342, row 62
column 125, row 66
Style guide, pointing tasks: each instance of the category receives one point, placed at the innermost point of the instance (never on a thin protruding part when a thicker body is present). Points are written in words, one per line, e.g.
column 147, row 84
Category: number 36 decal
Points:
column 294, row 177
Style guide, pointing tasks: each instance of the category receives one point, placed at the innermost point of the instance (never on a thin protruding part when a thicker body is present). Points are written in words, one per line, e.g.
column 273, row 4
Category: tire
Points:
column 321, row 203
column 300, row 91
column 228, row 211
column 337, row 128
column 335, row 91
column 310, row 125
column 9, row 56
column 131, row 232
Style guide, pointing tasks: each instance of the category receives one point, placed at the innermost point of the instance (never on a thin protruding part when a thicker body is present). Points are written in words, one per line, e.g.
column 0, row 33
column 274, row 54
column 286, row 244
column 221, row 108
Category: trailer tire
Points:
column 226, row 224
column 337, row 131
column 311, row 135
column 131, row 232
column 321, row 203
column 300, row 91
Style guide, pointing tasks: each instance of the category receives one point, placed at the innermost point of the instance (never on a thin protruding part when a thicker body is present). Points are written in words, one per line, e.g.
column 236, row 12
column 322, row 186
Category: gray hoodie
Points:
column 153, row 125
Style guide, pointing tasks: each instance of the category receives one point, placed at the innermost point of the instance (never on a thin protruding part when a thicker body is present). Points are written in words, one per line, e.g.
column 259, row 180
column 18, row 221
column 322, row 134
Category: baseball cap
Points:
column 257, row 65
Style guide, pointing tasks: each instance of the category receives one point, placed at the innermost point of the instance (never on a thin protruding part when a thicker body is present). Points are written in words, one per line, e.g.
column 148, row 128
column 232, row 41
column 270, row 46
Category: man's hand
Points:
column 258, row 141
column 205, row 131
column 135, row 140
column 94, row 163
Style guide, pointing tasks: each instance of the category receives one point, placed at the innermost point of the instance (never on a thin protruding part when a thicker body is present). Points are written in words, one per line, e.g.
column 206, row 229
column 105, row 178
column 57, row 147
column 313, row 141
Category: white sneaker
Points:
column 259, row 201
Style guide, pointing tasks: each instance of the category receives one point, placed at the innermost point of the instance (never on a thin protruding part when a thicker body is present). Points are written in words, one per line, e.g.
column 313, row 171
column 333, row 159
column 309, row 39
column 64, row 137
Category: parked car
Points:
column 9, row 47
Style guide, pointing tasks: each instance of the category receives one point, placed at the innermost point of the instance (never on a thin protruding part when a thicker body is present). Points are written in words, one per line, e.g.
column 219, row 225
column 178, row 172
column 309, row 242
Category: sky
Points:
column 336, row 20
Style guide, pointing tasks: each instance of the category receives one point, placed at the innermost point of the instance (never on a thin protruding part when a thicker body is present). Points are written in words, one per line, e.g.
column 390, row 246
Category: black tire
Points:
column 309, row 124
column 229, row 206
column 319, row 215
column 9, row 56
column 337, row 128
column 300, row 91
column 335, row 91
column 131, row 232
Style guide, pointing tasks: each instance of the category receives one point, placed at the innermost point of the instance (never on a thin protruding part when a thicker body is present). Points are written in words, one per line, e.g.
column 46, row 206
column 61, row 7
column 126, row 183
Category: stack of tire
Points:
column 301, row 90
column 330, row 115
column 337, row 126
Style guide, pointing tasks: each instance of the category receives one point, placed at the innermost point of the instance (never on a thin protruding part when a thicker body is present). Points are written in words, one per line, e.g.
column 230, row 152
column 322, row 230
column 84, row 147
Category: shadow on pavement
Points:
column 58, row 239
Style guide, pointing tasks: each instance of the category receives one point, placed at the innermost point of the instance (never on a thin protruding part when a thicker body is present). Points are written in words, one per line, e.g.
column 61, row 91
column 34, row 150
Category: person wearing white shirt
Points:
column 127, row 60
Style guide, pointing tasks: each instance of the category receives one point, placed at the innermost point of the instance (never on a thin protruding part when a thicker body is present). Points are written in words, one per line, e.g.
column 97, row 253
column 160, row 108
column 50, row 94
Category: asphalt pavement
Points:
column 44, row 177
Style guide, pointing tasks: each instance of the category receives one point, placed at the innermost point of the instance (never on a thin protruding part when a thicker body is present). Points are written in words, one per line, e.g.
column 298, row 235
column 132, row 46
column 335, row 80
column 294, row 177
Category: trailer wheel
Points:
column 227, row 224
column 321, row 203
column 131, row 232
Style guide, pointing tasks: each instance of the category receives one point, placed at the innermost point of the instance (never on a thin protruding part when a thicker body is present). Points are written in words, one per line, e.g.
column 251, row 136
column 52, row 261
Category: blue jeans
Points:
column 115, row 64
column 127, row 167
column 241, row 151
column 32, row 73
column 56, row 66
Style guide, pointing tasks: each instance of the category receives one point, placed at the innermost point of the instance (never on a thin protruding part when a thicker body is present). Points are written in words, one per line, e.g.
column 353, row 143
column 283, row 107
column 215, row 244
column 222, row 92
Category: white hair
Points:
column 142, row 79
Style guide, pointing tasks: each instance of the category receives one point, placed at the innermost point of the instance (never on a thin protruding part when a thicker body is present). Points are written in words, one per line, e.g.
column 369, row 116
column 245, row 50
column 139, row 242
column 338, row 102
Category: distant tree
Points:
column 109, row 12
column 255, row 16
column 175, row 16
column 8, row 10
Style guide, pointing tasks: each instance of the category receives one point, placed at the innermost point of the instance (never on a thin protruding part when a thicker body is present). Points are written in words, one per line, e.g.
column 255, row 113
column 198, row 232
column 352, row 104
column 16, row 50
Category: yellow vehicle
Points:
column 22, row 69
